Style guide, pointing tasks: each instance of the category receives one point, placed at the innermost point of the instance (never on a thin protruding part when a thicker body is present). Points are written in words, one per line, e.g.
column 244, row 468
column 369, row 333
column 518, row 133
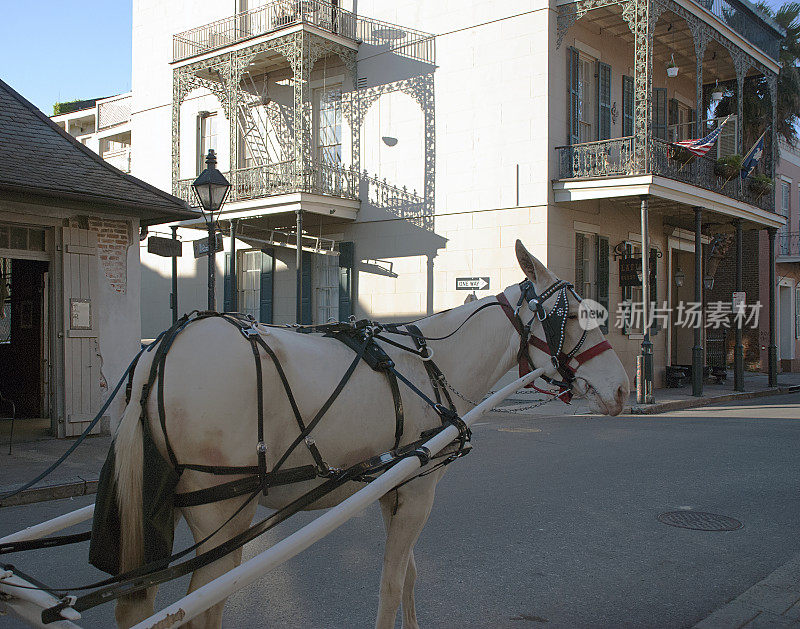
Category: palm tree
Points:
column 757, row 102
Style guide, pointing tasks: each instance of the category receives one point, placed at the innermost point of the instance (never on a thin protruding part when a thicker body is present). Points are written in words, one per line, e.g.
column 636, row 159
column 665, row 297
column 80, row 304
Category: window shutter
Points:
column 305, row 304
column 654, row 276
column 227, row 300
column 574, row 118
column 580, row 278
column 797, row 313
column 673, row 119
column 627, row 105
column 603, row 101
column 267, row 283
column 602, row 276
column 346, row 260
column 660, row 112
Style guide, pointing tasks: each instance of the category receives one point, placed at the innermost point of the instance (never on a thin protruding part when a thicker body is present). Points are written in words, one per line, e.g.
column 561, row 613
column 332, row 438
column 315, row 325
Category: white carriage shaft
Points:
column 80, row 331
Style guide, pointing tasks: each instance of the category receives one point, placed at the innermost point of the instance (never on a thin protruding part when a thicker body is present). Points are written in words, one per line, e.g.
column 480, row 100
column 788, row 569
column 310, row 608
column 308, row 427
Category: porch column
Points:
column 173, row 296
column 645, row 393
column 772, row 351
column 738, row 351
column 299, row 261
column 697, row 350
column 232, row 270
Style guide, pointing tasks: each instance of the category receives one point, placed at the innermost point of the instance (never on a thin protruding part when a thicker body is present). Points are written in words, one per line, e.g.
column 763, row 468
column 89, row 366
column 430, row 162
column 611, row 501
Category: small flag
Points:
column 702, row 145
column 753, row 155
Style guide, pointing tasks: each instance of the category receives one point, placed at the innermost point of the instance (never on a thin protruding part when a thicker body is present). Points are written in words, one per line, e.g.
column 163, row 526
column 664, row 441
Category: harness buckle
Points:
column 261, row 447
column 309, row 441
column 249, row 332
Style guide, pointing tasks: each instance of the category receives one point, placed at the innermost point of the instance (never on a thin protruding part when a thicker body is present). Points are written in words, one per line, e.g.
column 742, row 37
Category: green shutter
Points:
column 627, row 106
column 660, row 112
column 346, row 260
column 654, row 275
column 267, row 285
column 674, row 118
column 573, row 89
column 603, row 101
column 305, row 304
column 227, row 300
column 580, row 269
column 602, row 276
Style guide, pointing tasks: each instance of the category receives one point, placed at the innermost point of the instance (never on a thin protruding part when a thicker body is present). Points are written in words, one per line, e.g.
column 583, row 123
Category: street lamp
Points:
column 211, row 188
column 680, row 277
column 708, row 282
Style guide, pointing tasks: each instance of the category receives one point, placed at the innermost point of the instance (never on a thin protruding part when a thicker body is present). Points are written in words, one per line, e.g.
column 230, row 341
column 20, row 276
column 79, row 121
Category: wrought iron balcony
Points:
column 279, row 14
column 282, row 178
column 749, row 22
column 613, row 158
column 789, row 244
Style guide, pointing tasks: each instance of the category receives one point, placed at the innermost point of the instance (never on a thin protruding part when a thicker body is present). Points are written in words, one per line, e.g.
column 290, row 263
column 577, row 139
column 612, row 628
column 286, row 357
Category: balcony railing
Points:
column 750, row 23
column 281, row 178
column 279, row 14
column 119, row 159
column 607, row 158
column 113, row 112
column 789, row 243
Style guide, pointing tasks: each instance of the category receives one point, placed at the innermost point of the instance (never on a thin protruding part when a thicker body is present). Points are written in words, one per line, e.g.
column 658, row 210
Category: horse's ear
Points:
column 529, row 264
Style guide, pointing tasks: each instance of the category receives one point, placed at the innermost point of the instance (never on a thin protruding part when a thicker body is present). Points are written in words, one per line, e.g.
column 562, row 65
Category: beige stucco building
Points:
column 410, row 160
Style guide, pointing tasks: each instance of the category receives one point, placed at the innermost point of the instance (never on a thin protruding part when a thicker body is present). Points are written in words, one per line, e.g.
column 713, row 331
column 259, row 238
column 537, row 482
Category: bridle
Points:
column 554, row 324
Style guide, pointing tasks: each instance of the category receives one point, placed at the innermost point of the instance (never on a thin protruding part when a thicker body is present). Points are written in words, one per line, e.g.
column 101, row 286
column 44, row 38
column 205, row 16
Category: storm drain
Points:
column 699, row 521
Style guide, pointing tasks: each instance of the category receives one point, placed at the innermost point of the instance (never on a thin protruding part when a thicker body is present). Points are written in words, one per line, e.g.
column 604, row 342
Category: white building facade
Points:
column 407, row 161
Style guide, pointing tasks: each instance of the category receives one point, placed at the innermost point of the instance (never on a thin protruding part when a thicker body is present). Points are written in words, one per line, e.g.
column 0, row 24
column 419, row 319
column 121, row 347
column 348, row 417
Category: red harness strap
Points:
column 570, row 363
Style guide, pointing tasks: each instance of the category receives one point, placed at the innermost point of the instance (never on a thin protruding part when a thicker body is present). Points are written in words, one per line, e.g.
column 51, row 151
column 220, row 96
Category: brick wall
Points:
column 112, row 241
column 724, row 286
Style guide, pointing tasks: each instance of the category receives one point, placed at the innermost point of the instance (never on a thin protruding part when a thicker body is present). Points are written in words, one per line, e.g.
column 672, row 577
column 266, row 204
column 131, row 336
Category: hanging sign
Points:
column 201, row 246
column 165, row 247
column 629, row 269
column 472, row 283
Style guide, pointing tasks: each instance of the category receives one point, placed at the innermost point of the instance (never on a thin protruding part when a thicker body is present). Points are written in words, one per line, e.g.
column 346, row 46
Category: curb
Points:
column 677, row 405
column 81, row 487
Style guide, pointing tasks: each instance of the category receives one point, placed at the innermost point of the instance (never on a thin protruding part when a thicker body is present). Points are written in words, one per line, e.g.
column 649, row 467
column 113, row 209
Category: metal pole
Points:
column 738, row 350
column 299, row 261
column 772, row 353
column 647, row 345
column 232, row 270
column 211, row 262
column 213, row 592
column 697, row 350
column 173, row 296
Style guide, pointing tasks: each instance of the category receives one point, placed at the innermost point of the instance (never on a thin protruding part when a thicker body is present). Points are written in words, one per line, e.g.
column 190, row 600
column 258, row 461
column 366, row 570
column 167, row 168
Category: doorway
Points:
column 24, row 351
column 682, row 336
column 785, row 323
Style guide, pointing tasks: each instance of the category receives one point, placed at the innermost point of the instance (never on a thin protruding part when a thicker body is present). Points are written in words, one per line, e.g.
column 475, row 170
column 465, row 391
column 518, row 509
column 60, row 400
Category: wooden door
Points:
column 81, row 353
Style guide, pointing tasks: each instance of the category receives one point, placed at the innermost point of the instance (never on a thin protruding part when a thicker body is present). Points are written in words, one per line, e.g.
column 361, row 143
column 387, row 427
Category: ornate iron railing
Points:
column 119, row 159
column 746, row 20
column 789, row 243
column 607, row 158
column 596, row 159
column 282, row 178
column 279, row 14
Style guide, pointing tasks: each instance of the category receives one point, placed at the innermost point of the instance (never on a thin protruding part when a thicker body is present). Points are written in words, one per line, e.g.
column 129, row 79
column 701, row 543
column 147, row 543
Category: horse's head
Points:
column 549, row 310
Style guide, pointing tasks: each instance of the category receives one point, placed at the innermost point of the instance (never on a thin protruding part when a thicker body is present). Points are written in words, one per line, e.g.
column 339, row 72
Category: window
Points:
column 783, row 234
column 586, row 132
column 249, row 281
column 325, row 281
column 5, row 300
column 681, row 121
column 208, row 129
column 627, row 105
column 18, row 237
column 329, row 126
column 603, row 101
column 591, row 269
column 660, row 113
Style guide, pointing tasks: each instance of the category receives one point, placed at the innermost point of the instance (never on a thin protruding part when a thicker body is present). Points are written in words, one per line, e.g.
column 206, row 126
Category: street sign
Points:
column 201, row 246
column 472, row 283
column 165, row 247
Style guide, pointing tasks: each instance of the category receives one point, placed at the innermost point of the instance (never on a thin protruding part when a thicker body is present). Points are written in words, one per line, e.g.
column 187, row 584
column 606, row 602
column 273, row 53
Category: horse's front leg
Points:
column 404, row 513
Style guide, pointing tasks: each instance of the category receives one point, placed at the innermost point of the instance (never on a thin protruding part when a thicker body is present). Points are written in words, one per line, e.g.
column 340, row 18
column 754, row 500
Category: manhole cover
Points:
column 699, row 521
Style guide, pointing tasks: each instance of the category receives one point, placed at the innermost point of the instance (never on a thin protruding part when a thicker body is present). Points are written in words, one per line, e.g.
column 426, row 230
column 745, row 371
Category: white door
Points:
column 325, row 287
column 80, row 331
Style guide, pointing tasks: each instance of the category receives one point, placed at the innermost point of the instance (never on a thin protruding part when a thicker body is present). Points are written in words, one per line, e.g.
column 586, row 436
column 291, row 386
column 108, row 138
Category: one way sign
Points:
column 472, row 283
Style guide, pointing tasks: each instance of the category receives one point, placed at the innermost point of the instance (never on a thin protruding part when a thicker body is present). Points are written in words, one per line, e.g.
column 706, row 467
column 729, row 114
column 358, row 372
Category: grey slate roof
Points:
column 39, row 159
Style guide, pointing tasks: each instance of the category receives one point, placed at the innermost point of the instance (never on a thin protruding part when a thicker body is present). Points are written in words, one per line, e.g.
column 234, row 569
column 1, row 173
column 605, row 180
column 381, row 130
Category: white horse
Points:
column 210, row 402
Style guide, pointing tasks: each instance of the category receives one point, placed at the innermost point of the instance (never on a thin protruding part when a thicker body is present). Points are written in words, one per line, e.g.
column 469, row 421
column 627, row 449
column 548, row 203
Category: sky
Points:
column 68, row 50
column 59, row 50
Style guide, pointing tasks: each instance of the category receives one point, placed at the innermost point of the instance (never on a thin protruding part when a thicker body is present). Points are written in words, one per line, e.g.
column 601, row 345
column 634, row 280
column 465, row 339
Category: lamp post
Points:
column 211, row 188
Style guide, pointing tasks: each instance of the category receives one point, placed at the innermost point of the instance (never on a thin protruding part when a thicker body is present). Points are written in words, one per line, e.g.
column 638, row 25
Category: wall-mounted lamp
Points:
column 680, row 277
column 614, row 113
column 708, row 282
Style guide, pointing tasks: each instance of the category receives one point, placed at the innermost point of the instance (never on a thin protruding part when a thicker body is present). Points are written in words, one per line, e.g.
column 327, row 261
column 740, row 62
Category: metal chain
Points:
column 515, row 411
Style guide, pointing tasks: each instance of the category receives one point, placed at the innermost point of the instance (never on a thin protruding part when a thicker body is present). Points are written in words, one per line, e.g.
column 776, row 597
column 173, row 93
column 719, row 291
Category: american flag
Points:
column 701, row 146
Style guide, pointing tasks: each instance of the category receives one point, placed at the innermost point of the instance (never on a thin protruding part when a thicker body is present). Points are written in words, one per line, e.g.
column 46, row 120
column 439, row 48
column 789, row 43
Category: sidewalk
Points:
column 755, row 385
column 77, row 476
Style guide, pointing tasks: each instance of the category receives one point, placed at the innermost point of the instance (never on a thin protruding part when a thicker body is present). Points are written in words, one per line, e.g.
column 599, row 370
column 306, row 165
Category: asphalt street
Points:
column 550, row 521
